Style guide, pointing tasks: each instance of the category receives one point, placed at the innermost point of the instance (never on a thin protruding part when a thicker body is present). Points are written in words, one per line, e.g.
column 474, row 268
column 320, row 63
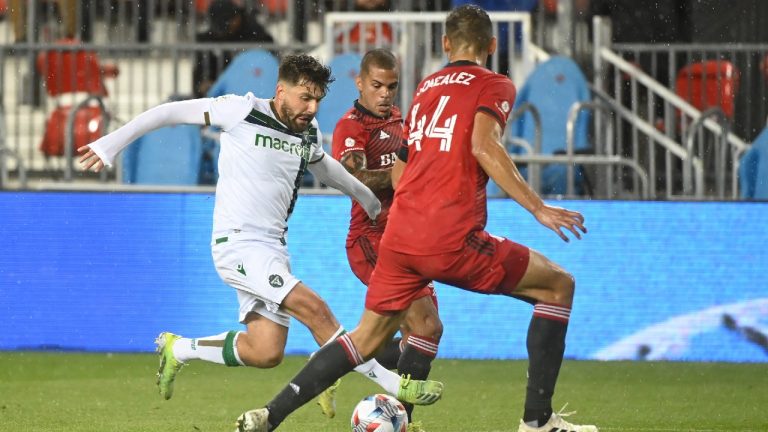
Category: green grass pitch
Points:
column 101, row 392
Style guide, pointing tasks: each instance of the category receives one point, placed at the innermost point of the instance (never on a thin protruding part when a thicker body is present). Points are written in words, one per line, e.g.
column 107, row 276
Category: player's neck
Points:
column 468, row 56
column 276, row 112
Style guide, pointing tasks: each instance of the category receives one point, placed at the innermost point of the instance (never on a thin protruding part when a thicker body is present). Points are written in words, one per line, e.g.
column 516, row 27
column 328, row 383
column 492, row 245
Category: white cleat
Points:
column 253, row 421
column 557, row 424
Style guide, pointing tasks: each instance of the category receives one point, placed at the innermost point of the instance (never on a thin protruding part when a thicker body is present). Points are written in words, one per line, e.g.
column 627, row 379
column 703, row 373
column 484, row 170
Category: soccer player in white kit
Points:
column 266, row 145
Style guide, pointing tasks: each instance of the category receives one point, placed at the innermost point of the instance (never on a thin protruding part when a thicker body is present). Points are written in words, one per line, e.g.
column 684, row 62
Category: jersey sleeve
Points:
column 228, row 110
column 497, row 99
column 348, row 136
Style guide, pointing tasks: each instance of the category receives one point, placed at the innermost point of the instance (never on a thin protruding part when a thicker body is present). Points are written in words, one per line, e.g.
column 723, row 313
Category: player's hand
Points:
column 373, row 209
column 556, row 218
column 89, row 159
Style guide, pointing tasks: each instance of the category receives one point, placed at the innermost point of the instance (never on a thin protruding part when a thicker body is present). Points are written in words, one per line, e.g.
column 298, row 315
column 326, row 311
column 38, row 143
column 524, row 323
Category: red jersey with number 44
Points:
column 441, row 195
column 379, row 138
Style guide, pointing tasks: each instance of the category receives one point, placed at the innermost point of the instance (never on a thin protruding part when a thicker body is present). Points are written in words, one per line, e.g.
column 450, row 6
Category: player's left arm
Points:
column 355, row 163
column 329, row 171
column 487, row 148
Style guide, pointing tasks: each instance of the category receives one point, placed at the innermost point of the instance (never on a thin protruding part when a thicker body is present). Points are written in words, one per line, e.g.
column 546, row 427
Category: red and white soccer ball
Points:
column 379, row 413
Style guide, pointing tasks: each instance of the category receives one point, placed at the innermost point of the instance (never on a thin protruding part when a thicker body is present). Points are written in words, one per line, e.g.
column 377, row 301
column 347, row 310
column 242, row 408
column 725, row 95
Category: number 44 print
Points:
column 444, row 132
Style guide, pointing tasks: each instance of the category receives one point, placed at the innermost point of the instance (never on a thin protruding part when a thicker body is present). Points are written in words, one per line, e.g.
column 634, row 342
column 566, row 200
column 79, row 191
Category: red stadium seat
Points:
column 70, row 72
column 712, row 83
column 88, row 127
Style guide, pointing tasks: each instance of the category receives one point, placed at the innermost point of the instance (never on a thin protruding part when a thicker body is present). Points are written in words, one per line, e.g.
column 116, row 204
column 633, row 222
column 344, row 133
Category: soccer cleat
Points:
column 416, row 427
column 327, row 400
column 169, row 366
column 419, row 392
column 556, row 423
column 253, row 421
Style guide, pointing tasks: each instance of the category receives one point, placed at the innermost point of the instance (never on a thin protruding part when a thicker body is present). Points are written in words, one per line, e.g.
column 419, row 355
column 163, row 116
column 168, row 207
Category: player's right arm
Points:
column 377, row 180
column 349, row 140
column 195, row 111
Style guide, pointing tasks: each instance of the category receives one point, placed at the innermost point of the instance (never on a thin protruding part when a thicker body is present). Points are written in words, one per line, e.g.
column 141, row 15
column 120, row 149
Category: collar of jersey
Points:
column 462, row 63
column 259, row 118
column 364, row 110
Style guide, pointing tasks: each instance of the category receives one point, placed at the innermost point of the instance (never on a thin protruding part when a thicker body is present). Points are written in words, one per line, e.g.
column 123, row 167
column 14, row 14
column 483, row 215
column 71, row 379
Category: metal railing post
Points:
column 573, row 114
column 534, row 177
column 719, row 163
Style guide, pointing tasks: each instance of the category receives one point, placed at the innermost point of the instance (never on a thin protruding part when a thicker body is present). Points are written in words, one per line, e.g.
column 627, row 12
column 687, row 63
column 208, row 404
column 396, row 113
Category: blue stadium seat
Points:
column 753, row 169
column 553, row 88
column 251, row 71
column 341, row 93
column 166, row 156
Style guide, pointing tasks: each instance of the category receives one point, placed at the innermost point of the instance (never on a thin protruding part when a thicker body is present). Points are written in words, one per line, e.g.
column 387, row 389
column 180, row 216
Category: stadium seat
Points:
column 88, row 127
column 753, row 169
column 712, row 83
column 167, row 156
column 73, row 72
column 553, row 88
column 341, row 93
column 252, row 71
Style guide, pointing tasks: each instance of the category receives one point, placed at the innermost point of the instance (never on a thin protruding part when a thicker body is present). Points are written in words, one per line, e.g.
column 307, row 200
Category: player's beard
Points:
column 292, row 119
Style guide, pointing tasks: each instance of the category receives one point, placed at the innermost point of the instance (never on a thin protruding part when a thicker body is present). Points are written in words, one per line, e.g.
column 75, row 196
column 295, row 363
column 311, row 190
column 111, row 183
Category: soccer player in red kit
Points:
column 365, row 141
column 436, row 231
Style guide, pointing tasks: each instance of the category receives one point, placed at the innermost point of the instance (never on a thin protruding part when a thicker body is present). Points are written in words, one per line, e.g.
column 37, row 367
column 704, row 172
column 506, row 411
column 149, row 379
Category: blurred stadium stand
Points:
column 641, row 128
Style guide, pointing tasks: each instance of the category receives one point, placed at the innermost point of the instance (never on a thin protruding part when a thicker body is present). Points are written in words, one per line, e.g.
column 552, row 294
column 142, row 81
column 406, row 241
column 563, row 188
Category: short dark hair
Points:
column 378, row 57
column 469, row 26
column 298, row 69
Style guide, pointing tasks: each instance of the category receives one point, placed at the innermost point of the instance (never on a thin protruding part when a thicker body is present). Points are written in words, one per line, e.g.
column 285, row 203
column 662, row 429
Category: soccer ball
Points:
column 379, row 413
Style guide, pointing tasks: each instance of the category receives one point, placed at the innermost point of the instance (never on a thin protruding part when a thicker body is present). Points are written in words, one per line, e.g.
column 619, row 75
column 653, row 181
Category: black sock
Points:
column 390, row 354
column 328, row 364
column 416, row 361
column 546, row 345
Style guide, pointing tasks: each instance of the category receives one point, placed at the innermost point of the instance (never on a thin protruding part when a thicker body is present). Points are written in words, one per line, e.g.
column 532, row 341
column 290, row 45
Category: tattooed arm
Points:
column 376, row 180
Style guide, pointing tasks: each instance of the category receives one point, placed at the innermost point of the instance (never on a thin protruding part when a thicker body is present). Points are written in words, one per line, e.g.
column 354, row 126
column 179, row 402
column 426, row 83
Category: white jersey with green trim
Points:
column 261, row 163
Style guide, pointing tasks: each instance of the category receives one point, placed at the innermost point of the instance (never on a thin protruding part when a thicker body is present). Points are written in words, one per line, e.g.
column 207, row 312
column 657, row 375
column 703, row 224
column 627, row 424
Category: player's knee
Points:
column 564, row 288
column 266, row 359
column 433, row 327
column 316, row 313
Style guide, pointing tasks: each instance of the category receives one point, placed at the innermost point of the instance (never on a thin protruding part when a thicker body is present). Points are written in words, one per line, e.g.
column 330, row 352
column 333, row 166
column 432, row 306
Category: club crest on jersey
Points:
column 276, row 281
column 349, row 142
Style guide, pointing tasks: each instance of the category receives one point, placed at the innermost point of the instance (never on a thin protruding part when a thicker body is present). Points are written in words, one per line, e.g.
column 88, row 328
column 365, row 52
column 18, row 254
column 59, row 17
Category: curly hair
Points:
column 469, row 26
column 298, row 69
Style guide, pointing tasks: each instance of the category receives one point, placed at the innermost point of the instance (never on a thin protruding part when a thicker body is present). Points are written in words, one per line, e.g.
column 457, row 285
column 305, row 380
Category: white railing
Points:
column 694, row 165
column 416, row 40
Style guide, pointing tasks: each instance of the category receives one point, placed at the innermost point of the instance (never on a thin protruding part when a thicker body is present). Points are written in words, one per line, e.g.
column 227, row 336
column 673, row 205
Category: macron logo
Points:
column 383, row 135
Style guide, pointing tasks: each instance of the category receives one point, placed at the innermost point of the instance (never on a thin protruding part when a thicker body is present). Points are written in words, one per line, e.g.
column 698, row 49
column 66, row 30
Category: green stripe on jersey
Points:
column 259, row 118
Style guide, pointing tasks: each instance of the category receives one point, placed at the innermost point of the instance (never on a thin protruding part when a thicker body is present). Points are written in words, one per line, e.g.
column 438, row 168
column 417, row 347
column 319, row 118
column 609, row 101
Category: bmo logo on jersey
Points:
column 387, row 160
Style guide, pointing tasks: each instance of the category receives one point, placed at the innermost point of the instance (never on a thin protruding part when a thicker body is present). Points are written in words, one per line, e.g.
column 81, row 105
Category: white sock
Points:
column 220, row 348
column 375, row 372
column 372, row 370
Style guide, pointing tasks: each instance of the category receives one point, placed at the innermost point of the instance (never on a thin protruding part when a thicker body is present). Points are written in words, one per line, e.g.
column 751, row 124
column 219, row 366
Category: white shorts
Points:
column 259, row 271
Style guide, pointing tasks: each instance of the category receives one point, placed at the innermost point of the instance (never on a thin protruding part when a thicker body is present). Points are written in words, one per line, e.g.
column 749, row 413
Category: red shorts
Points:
column 362, row 256
column 487, row 264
